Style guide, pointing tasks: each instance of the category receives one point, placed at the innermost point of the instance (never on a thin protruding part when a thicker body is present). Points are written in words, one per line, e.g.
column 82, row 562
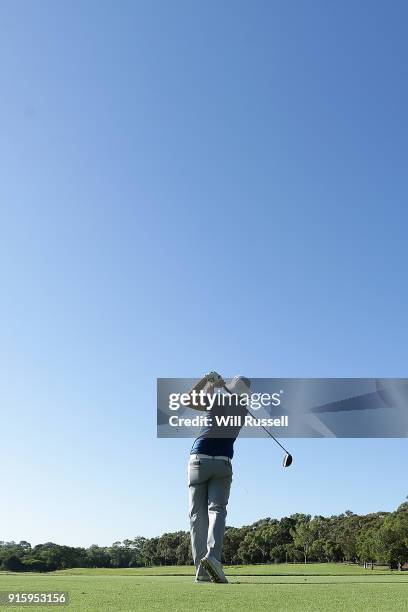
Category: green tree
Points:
column 150, row 555
column 13, row 564
column 97, row 556
column 183, row 551
column 392, row 540
column 303, row 537
column 367, row 545
column 120, row 556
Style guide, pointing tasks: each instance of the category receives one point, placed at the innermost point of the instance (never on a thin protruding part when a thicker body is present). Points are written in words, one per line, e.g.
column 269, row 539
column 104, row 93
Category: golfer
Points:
column 210, row 471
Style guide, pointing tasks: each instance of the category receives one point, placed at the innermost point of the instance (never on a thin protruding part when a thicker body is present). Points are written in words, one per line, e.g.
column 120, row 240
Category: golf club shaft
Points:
column 264, row 428
column 269, row 433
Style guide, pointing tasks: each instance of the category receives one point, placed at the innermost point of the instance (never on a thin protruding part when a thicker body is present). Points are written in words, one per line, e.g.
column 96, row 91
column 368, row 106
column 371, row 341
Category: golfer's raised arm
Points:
column 197, row 400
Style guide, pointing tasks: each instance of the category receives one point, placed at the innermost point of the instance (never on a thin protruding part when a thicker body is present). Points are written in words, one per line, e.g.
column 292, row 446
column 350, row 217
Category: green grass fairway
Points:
column 316, row 587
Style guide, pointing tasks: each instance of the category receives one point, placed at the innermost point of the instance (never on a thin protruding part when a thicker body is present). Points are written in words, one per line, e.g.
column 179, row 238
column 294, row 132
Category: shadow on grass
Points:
column 305, row 583
column 304, row 575
column 255, row 575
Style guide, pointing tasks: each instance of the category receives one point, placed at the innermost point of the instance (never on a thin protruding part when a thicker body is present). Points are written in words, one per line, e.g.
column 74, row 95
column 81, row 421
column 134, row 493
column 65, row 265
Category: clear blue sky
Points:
column 189, row 186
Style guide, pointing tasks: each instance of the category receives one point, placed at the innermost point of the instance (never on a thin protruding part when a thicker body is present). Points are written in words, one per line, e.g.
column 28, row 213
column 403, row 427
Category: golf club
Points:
column 287, row 460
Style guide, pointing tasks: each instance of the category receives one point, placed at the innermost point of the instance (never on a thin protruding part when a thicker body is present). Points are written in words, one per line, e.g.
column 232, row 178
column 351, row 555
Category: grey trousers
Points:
column 209, row 483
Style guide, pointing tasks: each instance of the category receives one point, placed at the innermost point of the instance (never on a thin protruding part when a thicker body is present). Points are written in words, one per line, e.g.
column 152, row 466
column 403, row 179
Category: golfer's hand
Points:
column 215, row 379
column 211, row 376
column 220, row 382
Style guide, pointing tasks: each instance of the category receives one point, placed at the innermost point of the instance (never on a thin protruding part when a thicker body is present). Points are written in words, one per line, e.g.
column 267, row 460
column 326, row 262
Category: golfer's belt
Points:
column 201, row 456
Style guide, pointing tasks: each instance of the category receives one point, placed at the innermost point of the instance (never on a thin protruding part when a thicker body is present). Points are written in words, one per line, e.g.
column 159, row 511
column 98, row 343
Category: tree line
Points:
column 380, row 538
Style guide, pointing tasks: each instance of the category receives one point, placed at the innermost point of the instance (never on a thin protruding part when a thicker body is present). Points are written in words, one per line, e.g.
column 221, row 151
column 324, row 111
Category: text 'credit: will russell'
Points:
column 229, row 421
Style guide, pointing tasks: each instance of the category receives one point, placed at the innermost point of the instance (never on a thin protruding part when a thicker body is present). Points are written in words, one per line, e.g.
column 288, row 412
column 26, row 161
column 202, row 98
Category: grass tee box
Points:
column 294, row 587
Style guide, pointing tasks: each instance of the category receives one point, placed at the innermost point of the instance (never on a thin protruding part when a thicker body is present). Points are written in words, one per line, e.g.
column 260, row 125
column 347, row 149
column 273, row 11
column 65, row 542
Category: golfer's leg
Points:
column 198, row 499
column 218, row 494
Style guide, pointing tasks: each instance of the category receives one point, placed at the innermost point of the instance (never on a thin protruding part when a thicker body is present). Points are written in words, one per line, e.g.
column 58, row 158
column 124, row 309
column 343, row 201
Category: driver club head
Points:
column 287, row 460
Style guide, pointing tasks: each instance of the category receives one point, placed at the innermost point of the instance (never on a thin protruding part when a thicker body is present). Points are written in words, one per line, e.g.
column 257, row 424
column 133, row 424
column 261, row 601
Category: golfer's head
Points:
column 239, row 385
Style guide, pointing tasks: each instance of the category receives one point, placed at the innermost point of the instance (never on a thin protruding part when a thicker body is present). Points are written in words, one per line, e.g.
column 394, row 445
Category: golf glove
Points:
column 214, row 378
